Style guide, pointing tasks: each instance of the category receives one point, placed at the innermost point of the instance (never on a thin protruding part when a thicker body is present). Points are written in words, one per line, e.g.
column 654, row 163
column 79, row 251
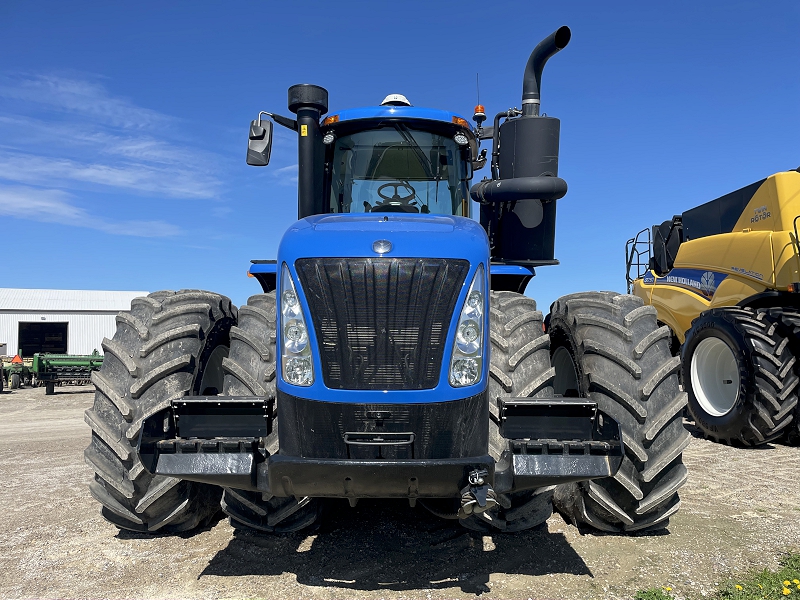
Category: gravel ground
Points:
column 741, row 509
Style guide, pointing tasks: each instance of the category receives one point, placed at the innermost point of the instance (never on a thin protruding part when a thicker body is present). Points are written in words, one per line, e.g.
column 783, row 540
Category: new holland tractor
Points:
column 725, row 279
column 392, row 353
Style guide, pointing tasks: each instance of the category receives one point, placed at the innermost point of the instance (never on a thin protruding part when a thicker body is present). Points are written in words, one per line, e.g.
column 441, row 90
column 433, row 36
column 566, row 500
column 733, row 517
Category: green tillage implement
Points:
column 52, row 368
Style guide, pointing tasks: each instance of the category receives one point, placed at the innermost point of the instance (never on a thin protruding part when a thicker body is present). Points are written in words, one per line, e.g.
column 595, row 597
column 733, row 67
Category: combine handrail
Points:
column 632, row 252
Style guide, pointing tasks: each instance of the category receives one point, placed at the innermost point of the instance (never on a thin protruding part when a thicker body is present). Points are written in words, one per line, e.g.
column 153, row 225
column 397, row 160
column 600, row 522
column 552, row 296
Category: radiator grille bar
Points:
column 381, row 323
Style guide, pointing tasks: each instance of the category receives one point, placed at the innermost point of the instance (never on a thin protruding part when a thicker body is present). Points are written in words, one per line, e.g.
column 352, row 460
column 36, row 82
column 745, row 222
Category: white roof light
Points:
column 395, row 100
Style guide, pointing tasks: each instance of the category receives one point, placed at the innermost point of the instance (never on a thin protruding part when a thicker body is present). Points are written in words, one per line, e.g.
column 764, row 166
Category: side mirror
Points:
column 259, row 143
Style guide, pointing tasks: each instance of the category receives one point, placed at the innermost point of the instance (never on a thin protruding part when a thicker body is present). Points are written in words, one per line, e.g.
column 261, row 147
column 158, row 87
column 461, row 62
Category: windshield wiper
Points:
column 409, row 139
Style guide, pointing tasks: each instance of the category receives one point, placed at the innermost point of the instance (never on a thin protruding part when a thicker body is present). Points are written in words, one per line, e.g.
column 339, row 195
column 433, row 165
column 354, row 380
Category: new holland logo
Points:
column 702, row 283
column 707, row 283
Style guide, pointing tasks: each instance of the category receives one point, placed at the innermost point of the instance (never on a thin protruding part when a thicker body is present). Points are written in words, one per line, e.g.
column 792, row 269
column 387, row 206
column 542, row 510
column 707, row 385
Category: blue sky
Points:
column 123, row 125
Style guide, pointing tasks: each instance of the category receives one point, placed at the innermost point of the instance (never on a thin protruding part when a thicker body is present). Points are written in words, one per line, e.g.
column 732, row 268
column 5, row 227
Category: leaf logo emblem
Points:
column 707, row 283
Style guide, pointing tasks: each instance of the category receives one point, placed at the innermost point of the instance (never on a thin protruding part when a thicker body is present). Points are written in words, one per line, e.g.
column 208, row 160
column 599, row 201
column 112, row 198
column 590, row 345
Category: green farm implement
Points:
column 16, row 373
column 49, row 369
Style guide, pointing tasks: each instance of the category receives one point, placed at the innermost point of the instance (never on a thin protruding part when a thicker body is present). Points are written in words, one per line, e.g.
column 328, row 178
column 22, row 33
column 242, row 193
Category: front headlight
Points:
column 296, row 364
column 467, row 360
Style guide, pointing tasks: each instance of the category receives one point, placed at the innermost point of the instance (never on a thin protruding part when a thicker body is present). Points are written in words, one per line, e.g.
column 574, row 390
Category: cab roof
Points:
column 401, row 112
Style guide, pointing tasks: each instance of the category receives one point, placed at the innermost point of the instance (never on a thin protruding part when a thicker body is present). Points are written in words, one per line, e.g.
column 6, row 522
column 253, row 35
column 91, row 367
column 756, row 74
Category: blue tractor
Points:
column 392, row 353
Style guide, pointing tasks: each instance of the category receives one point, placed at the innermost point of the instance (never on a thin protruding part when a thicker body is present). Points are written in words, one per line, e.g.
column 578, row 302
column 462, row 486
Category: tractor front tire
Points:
column 608, row 346
column 250, row 371
column 738, row 371
column 520, row 367
column 170, row 345
column 14, row 381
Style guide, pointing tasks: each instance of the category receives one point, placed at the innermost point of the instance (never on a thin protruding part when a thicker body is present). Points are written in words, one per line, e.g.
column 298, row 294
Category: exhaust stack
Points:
column 532, row 80
column 518, row 205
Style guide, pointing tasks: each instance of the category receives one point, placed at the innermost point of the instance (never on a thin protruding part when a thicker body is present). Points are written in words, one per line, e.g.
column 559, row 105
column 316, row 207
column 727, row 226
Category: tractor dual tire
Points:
column 519, row 367
column 169, row 345
column 250, row 371
column 746, row 350
column 609, row 347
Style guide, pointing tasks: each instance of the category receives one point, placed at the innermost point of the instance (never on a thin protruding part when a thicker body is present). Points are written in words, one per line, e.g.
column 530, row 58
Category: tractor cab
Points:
column 398, row 159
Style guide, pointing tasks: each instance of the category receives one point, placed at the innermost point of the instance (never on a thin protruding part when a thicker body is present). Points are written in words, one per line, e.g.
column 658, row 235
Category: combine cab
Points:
column 724, row 278
column 391, row 353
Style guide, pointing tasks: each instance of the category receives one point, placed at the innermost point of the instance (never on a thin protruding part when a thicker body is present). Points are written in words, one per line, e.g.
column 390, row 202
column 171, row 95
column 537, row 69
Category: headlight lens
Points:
column 298, row 371
column 297, row 366
column 296, row 336
column 467, row 361
column 468, row 338
column 465, row 371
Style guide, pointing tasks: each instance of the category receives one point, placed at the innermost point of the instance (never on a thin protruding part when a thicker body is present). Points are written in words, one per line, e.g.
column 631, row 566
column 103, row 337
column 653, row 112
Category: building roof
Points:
column 66, row 300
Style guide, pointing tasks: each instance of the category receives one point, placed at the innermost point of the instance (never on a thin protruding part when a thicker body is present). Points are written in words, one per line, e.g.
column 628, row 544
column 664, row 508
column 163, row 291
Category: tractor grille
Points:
column 381, row 323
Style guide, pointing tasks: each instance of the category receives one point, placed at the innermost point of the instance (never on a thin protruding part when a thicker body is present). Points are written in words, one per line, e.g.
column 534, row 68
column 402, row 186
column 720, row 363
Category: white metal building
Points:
column 59, row 321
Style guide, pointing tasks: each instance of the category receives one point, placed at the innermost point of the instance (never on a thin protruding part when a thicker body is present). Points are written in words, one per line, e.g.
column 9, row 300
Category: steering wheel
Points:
column 396, row 198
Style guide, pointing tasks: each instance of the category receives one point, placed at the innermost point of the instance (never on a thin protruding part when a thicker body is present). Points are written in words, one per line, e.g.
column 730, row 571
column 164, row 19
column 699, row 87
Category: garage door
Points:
column 42, row 337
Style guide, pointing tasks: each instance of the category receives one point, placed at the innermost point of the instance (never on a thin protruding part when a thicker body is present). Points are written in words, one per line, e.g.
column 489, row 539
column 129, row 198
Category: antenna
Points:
column 480, row 113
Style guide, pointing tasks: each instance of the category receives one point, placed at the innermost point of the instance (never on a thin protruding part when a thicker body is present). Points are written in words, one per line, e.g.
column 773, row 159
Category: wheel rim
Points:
column 715, row 376
column 566, row 372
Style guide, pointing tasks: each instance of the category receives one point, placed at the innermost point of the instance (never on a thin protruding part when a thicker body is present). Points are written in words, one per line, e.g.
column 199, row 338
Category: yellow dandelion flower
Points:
column 760, row 586
column 738, row 587
column 667, row 588
column 786, row 583
column 796, row 581
column 786, row 591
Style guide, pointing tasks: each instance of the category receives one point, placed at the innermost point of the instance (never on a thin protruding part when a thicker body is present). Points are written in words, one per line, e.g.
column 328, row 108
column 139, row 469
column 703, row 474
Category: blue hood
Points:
column 411, row 236
column 417, row 236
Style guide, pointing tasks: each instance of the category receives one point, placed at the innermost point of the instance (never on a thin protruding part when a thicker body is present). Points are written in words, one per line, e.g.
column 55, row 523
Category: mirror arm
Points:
column 285, row 121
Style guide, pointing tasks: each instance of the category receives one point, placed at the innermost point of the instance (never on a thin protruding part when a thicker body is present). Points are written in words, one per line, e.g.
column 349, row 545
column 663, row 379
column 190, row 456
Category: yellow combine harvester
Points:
column 725, row 280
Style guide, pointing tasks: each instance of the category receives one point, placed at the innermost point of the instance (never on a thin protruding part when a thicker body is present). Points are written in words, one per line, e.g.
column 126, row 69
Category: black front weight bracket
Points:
column 555, row 440
column 220, row 440
column 210, row 439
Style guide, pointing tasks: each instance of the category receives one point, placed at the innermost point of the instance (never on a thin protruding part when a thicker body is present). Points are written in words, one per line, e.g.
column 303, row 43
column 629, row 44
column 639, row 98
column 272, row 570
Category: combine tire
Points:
column 520, row 367
column 609, row 347
column 14, row 381
column 738, row 371
column 250, row 371
column 788, row 321
column 168, row 346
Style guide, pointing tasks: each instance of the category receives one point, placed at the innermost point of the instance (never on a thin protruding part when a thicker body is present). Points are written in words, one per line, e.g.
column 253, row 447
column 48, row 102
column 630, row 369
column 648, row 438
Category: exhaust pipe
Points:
column 532, row 80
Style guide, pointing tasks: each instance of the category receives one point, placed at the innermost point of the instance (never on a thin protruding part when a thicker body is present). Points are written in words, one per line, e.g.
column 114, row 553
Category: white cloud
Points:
column 150, row 179
column 54, row 206
column 55, row 136
column 72, row 134
column 286, row 175
column 80, row 97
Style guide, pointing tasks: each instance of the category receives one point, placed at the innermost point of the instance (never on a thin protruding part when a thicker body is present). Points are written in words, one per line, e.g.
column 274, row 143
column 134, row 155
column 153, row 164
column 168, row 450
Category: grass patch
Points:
column 654, row 594
column 783, row 584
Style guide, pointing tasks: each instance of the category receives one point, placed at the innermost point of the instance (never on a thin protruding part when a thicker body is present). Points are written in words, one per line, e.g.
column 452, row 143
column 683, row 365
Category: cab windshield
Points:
column 395, row 168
